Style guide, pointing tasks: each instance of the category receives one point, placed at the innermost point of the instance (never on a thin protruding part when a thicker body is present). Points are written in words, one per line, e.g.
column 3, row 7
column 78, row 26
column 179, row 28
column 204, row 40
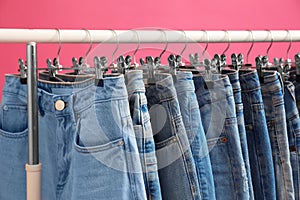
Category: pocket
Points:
column 14, row 119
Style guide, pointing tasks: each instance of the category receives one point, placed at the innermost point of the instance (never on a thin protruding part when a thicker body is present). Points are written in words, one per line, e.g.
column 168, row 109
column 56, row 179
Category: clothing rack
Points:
column 33, row 36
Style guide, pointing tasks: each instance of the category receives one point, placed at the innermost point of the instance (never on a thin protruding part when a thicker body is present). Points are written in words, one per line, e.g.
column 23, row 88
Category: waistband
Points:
column 184, row 81
column 272, row 82
column 216, row 89
column 134, row 81
column 76, row 95
column 234, row 78
column 67, row 77
column 249, row 80
column 163, row 90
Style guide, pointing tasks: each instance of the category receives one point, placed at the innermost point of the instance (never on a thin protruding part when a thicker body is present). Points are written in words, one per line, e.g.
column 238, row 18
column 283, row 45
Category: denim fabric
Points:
column 272, row 93
column 192, row 121
column 234, row 80
column 259, row 146
column 293, row 130
column 217, row 108
column 143, row 132
column 85, row 147
column 176, row 168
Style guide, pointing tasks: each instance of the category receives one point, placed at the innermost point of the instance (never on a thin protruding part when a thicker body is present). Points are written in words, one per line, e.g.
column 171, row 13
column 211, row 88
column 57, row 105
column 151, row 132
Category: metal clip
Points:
column 152, row 64
column 260, row 66
column 23, row 71
column 100, row 68
column 51, row 69
column 76, row 66
column 297, row 63
column 121, row 65
column 173, row 66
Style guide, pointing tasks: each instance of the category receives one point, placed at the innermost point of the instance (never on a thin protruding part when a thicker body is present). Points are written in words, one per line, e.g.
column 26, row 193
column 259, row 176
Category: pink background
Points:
column 129, row 14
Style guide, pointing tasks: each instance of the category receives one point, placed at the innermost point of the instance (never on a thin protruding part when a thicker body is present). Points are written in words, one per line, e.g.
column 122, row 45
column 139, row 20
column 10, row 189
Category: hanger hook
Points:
column 59, row 41
column 229, row 41
column 185, row 40
column 117, row 47
column 291, row 40
column 251, row 47
column 167, row 43
column 267, row 53
column 91, row 44
column 138, row 47
column 207, row 41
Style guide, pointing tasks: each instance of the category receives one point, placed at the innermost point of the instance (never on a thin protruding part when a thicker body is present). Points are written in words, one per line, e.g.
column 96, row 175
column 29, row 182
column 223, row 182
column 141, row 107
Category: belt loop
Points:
column 281, row 82
column 39, row 100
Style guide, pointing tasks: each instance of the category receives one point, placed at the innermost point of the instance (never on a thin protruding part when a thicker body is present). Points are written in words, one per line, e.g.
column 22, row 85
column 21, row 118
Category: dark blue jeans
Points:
column 293, row 130
column 272, row 93
column 259, row 145
column 176, row 166
column 193, row 124
column 217, row 108
column 234, row 80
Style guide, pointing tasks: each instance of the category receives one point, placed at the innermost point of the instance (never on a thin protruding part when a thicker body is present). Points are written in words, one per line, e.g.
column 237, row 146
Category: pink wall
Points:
column 175, row 14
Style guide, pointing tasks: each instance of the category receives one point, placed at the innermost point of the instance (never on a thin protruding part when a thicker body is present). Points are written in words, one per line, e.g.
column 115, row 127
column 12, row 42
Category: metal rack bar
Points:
column 146, row 36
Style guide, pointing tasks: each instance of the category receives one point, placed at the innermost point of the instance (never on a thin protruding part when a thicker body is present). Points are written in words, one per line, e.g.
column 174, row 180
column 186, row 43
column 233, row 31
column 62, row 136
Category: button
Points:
column 224, row 139
column 60, row 105
column 120, row 143
column 5, row 107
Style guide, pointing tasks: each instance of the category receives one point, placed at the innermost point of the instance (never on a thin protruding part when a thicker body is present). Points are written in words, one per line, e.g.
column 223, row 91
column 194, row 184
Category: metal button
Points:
column 5, row 107
column 120, row 143
column 60, row 105
column 224, row 139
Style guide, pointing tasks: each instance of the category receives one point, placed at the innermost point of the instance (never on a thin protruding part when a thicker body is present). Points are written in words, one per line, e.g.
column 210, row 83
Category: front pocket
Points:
column 103, row 147
column 14, row 118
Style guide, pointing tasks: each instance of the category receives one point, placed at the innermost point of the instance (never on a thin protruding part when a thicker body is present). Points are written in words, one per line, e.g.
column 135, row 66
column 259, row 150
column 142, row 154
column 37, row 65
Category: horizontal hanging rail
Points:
column 146, row 36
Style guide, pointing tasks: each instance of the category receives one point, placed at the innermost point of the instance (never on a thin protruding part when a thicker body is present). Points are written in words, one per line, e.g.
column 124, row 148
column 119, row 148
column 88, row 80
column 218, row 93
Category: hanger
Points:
column 135, row 65
column 220, row 60
column 178, row 59
column 288, row 62
column 79, row 66
column 249, row 65
column 56, row 59
column 113, row 66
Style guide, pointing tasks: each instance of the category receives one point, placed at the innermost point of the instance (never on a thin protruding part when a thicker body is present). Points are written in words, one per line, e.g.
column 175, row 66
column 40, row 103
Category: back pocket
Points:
column 14, row 118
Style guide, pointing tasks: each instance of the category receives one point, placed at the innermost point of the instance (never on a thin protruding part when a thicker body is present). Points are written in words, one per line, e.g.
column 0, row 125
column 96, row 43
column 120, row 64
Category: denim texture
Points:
column 192, row 121
column 176, row 166
column 217, row 108
column 272, row 93
column 143, row 132
column 259, row 145
column 85, row 147
column 293, row 130
column 239, row 107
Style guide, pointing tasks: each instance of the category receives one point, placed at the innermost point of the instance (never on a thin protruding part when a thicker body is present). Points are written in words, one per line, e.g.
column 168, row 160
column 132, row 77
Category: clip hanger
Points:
column 100, row 69
column 23, row 71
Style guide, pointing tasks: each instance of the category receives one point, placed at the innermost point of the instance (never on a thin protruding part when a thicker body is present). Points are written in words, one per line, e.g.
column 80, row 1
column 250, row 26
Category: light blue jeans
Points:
column 192, row 121
column 176, row 166
column 143, row 132
column 236, row 87
column 272, row 93
column 217, row 107
column 88, row 149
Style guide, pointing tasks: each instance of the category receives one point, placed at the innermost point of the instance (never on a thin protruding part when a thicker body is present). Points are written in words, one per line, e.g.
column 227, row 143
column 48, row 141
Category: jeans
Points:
column 234, row 80
column 143, row 132
column 293, row 130
column 192, row 121
column 176, row 167
column 86, row 143
column 272, row 93
column 217, row 108
column 259, row 146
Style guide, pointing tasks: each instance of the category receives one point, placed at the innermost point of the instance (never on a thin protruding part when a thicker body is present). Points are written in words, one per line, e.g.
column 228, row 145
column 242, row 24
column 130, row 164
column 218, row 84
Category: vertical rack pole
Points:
column 33, row 167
